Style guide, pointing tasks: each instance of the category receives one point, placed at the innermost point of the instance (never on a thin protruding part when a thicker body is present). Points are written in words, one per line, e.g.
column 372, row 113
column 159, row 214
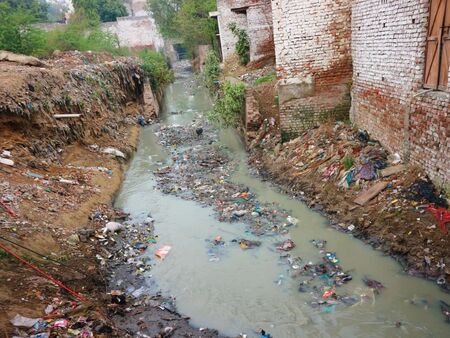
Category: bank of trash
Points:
column 364, row 190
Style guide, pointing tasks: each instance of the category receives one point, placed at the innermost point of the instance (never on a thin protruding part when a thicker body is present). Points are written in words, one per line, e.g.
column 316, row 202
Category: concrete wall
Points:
column 388, row 46
column 313, row 58
column 136, row 32
column 257, row 21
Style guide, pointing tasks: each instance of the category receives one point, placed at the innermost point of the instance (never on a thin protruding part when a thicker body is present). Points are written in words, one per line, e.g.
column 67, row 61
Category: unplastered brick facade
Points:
column 313, row 57
column 255, row 16
column 388, row 49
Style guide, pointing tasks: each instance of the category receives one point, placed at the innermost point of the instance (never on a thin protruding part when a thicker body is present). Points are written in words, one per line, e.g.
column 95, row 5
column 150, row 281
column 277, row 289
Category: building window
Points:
column 438, row 46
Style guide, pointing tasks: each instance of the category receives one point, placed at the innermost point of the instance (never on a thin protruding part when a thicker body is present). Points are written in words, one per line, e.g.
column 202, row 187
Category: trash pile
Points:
column 63, row 318
column 200, row 171
column 321, row 280
column 365, row 191
column 125, row 250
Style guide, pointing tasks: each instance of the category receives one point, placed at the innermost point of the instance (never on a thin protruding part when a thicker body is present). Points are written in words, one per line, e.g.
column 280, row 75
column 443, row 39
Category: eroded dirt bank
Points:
column 58, row 176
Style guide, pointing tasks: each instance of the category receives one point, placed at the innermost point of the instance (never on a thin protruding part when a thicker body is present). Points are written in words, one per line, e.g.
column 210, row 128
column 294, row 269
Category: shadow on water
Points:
column 248, row 290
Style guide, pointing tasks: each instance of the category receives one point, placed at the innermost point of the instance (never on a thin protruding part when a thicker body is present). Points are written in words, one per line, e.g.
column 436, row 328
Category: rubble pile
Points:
column 364, row 190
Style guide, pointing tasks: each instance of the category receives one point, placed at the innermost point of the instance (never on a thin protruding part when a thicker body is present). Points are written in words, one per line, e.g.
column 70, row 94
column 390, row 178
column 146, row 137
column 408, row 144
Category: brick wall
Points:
column 256, row 20
column 313, row 57
column 388, row 48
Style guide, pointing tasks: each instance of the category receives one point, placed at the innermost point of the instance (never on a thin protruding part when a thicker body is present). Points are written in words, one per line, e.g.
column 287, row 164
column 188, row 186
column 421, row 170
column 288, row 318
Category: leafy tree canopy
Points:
column 17, row 33
column 185, row 19
column 105, row 10
column 164, row 13
column 37, row 9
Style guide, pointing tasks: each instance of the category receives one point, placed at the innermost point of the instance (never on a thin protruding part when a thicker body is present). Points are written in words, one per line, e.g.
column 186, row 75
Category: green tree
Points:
column 165, row 12
column 17, row 33
column 36, row 8
column 105, row 10
column 194, row 24
column 187, row 20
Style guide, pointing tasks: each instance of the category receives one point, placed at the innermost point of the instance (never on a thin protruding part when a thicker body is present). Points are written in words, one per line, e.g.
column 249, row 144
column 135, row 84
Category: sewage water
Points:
column 249, row 290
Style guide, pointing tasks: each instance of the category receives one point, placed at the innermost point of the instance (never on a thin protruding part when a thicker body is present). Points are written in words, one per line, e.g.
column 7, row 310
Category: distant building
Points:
column 255, row 16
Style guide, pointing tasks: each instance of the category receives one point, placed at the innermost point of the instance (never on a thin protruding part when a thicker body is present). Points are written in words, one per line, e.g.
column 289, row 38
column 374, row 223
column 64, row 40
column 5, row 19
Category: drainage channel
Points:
column 249, row 290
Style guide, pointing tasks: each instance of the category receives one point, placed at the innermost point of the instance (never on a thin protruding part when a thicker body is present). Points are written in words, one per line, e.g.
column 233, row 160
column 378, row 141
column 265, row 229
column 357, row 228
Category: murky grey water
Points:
column 241, row 293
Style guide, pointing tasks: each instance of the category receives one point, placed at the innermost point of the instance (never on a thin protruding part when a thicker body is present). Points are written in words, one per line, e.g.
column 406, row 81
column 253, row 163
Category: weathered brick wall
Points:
column 313, row 56
column 388, row 48
column 257, row 21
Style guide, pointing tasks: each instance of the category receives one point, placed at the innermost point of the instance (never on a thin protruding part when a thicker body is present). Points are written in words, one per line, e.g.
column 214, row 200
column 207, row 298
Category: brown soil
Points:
column 50, row 215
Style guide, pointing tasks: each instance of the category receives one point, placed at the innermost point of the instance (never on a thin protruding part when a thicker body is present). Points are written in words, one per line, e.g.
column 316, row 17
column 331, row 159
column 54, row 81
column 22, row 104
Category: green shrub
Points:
column 17, row 33
column 266, row 78
column 230, row 105
column 348, row 162
column 243, row 43
column 83, row 34
column 211, row 72
column 156, row 68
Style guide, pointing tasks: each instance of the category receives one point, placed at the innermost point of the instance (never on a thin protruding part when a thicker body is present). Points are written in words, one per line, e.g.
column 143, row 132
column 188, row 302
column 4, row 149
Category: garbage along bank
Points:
column 67, row 130
column 244, row 257
column 364, row 190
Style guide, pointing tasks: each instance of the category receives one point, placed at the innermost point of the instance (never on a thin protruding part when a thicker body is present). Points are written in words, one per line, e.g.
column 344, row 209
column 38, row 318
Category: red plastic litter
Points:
column 442, row 215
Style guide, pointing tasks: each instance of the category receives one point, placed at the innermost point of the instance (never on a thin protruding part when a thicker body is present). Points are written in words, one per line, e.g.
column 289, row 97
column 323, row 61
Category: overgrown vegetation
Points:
column 266, row 78
column 229, row 106
column 187, row 20
column 156, row 68
column 211, row 71
column 242, row 44
column 17, row 33
column 37, row 9
column 103, row 10
column 165, row 14
column 82, row 33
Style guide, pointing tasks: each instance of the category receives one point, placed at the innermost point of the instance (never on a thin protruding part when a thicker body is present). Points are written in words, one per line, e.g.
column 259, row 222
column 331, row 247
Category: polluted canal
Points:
column 233, row 265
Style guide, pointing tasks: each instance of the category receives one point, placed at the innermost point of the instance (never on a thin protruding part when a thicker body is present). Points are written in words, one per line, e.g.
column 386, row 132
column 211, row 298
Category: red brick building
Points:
column 400, row 52
column 313, row 59
column 392, row 56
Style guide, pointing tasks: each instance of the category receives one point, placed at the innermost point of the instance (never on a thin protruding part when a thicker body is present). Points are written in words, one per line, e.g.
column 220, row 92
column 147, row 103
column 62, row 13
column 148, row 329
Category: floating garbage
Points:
column 163, row 251
column 287, row 245
column 248, row 244
column 373, row 284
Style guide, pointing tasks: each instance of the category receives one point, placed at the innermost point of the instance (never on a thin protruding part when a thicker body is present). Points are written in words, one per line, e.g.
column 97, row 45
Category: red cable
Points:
column 77, row 295
column 7, row 208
